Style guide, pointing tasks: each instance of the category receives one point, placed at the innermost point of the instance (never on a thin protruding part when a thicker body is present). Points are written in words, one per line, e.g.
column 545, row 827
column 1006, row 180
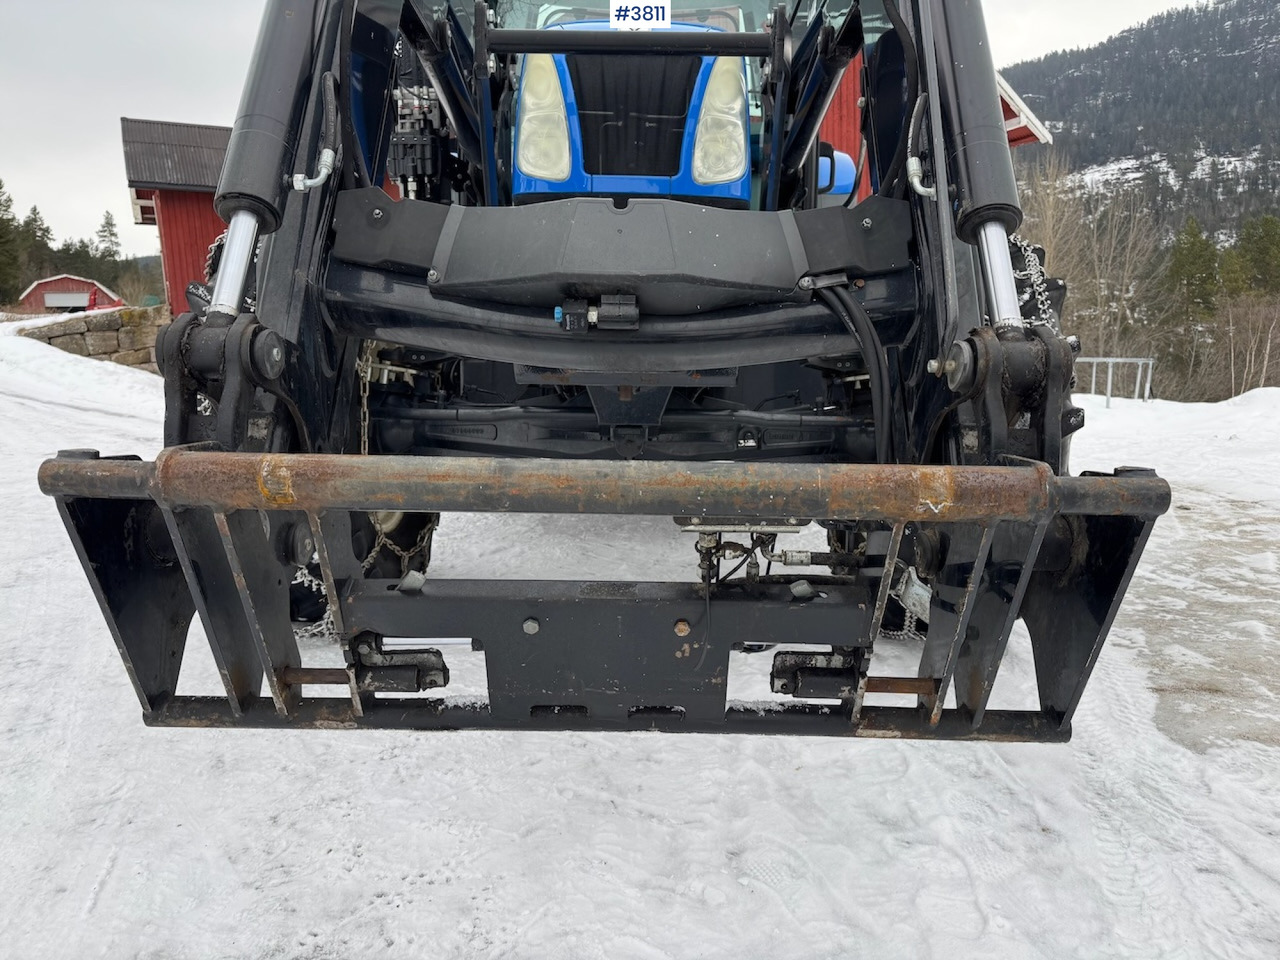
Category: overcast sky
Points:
column 70, row 69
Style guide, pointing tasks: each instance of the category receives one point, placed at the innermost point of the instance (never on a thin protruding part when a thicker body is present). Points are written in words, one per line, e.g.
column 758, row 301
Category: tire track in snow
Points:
column 1162, row 860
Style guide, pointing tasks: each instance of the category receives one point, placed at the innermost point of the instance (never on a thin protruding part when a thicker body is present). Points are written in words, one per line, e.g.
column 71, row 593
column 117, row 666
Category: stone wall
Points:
column 126, row 335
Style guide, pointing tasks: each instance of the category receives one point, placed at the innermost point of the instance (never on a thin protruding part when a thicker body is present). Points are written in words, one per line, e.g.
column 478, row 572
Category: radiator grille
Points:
column 633, row 111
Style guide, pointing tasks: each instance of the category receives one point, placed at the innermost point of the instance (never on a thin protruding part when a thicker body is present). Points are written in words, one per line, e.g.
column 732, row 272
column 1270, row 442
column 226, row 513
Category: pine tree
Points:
column 1192, row 276
column 107, row 238
column 35, row 229
column 1233, row 272
column 10, row 250
column 36, row 257
column 1260, row 247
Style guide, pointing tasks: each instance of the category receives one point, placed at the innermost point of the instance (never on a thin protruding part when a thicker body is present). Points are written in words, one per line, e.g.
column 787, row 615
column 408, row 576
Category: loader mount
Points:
column 713, row 338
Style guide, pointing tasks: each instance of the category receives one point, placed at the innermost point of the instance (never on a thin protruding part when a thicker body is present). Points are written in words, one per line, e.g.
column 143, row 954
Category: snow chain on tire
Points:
column 1033, row 274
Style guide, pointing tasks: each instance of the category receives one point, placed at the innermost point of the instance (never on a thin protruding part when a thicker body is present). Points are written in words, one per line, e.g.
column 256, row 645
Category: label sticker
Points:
column 630, row 16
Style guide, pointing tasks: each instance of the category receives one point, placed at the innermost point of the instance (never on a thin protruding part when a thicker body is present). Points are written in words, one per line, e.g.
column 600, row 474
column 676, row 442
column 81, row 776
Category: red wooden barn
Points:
column 173, row 171
column 66, row 294
column 841, row 128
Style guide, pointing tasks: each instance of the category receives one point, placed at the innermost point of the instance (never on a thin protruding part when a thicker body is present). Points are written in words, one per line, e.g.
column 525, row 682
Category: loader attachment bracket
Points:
column 220, row 534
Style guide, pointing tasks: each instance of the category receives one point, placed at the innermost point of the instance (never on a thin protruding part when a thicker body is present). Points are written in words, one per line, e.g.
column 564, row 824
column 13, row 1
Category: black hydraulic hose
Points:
column 862, row 321
column 917, row 117
column 329, row 89
column 940, row 420
column 858, row 174
column 912, row 61
column 353, row 173
column 513, row 412
column 855, row 317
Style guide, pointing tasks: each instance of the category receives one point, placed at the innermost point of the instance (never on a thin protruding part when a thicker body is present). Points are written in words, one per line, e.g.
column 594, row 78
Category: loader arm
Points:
column 512, row 260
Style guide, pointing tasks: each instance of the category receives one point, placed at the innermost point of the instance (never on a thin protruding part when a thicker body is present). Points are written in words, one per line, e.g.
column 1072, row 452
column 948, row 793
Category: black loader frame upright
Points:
column 359, row 366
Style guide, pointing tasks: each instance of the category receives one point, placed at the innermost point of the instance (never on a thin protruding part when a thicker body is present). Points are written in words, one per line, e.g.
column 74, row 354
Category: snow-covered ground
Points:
column 1153, row 834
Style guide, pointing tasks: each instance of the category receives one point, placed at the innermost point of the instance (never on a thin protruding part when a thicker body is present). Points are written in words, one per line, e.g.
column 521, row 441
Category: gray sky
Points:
column 70, row 69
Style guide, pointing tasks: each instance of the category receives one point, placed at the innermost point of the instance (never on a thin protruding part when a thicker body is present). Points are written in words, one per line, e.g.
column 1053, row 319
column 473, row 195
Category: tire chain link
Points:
column 1034, row 274
column 304, row 577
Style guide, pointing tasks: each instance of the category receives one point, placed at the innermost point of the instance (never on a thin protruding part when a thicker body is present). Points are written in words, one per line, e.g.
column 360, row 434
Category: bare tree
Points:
column 1105, row 245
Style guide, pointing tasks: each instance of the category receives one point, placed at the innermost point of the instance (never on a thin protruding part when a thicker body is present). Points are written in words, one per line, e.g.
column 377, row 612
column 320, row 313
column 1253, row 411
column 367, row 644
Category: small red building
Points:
column 173, row 171
column 66, row 294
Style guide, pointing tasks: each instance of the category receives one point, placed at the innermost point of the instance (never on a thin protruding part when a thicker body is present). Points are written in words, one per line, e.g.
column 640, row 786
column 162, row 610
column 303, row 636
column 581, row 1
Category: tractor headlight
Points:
column 543, row 132
column 721, row 144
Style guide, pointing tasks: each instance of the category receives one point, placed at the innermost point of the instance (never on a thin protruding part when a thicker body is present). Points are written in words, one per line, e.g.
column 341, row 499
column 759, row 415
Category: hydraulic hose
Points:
column 329, row 87
column 854, row 316
column 353, row 172
column 862, row 322
column 915, row 169
column 912, row 62
column 329, row 146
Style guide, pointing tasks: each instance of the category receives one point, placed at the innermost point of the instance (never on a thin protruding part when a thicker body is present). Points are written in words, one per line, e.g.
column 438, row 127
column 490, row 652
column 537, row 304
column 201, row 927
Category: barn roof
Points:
column 1022, row 126
column 173, row 156
column 71, row 276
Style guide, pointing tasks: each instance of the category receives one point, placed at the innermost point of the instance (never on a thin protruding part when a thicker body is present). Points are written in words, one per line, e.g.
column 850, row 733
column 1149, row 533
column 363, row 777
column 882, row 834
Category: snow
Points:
column 1124, row 171
column 1128, row 171
column 1153, row 834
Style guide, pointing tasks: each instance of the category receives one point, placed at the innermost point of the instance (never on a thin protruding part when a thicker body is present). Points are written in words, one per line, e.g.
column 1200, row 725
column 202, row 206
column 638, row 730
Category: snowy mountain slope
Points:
column 1184, row 107
column 120, row 841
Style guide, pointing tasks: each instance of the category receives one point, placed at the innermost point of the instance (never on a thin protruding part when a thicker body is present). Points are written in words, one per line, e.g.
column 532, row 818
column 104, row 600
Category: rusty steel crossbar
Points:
column 246, row 481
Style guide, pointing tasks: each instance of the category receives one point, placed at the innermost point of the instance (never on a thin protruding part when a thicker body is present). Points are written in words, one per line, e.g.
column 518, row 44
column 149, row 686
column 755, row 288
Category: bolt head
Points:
column 682, row 628
column 298, row 544
column 806, row 283
column 433, row 276
column 532, row 626
column 377, row 214
column 267, row 354
column 867, row 224
column 935, row 367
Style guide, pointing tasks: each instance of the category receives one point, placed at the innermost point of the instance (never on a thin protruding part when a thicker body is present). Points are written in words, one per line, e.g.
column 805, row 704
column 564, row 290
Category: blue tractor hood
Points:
column 632, row 125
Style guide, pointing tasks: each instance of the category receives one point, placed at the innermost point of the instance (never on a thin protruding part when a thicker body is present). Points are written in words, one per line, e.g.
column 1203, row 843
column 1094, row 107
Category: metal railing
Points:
column 1141, row 386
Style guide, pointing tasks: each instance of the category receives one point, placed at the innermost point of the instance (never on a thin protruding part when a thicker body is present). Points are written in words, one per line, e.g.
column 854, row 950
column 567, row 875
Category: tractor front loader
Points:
column 523, row 259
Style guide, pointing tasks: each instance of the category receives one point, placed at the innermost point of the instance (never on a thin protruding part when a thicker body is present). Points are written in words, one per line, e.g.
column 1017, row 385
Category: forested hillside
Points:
column 1186, row 107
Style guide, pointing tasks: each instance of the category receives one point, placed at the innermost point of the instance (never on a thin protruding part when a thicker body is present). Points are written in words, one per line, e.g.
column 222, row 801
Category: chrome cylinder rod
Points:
column 997, row 274
column 235, row 263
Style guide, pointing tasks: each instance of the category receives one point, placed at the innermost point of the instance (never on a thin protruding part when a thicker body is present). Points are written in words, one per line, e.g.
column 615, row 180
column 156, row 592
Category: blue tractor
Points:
column 522, row 258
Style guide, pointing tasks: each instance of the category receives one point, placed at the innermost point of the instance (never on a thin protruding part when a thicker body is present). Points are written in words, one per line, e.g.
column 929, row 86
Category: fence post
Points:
column 1111, row 365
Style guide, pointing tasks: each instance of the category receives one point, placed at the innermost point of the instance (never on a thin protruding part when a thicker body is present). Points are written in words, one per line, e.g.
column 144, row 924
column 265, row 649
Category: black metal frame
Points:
column 217, row 534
